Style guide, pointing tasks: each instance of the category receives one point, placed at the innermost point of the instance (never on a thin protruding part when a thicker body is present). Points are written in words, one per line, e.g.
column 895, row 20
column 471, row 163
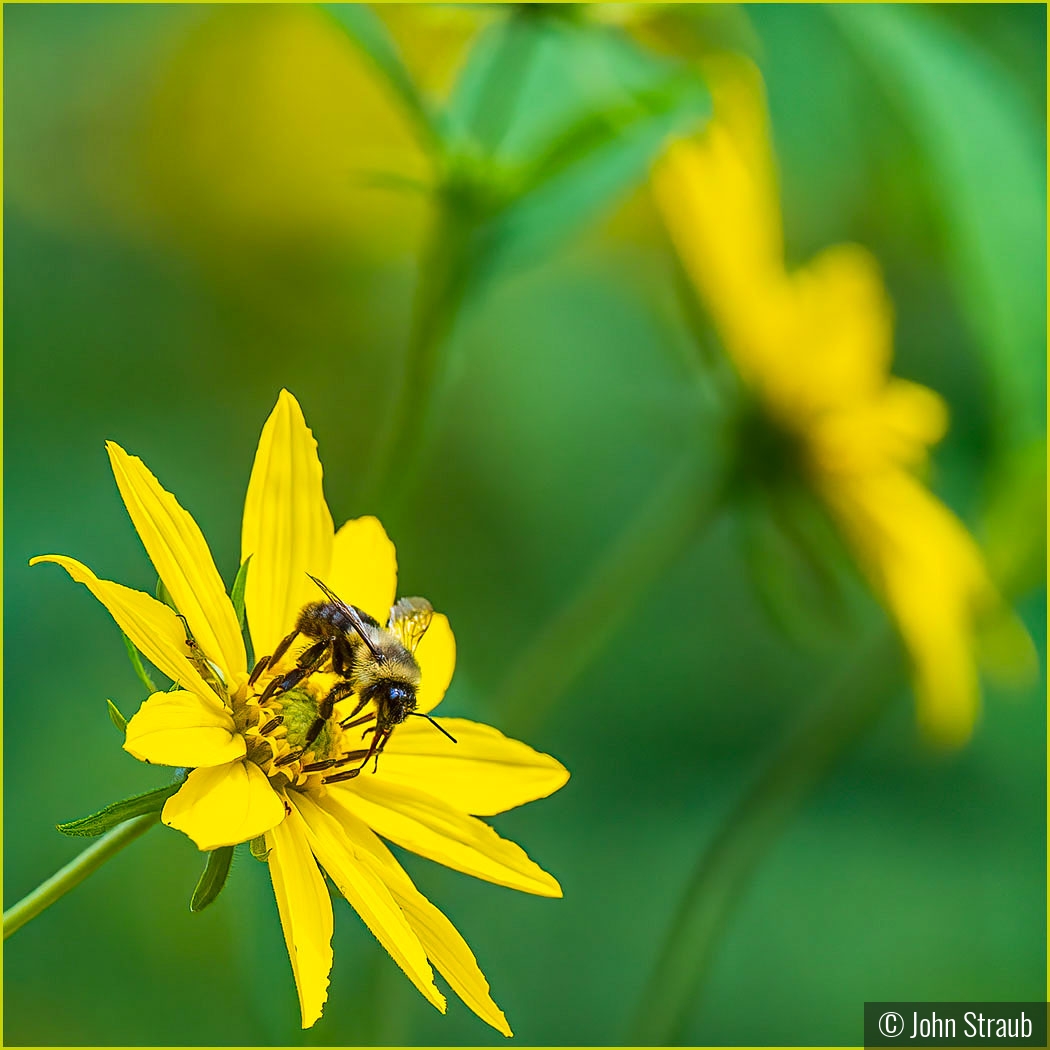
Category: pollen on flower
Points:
column 277, row 727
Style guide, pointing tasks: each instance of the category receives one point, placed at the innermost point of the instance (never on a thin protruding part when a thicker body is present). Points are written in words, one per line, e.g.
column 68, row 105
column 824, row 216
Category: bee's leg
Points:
column 342, row 657
column 310, row 660
column 339, row 691
column 360, row 703
column 382, row 738
column 282, row 648
column 350, row 756
column 374, row 749
column 352, row 723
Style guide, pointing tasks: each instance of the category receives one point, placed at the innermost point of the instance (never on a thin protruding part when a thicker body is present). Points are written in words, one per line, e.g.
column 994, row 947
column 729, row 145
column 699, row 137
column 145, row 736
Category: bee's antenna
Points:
column 419, row 714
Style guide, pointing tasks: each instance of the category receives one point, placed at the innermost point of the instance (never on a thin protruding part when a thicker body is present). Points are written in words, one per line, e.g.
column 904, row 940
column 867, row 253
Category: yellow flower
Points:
column 815, row 347
column 250, row 774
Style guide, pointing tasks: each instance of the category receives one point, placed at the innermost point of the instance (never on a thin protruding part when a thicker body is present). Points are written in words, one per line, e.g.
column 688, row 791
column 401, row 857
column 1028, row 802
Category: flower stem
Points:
column 450, row 265
column 809, row 749
column 78, row 869
column 445, row 274
column 669, row 521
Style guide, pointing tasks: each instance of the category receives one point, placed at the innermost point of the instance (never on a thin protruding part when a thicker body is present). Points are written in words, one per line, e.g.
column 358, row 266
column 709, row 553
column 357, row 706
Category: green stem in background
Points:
column 810, row 748
column 74, row 873
column 464, row 203
column 674, row 515
column 445, row 274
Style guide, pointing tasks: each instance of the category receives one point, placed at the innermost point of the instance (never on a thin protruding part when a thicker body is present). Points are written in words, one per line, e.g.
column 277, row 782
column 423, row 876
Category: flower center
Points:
column 288, row 737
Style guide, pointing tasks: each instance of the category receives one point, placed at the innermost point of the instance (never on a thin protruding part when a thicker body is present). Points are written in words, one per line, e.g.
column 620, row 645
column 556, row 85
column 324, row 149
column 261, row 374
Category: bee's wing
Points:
column 409, row 620
column 352, row 615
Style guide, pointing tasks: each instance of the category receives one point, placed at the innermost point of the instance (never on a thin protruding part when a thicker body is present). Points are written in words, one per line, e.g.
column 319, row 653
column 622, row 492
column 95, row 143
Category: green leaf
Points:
column 237, row 594
column 258, row 848
column 621, row 105
column 489, row 91
column 367, row 31
column 599, row 129
column 116, row 717
column 164, row 595
column 213, row 878
column 584, row 174
column 119, row 812
column 136, row 663
column 985, row 150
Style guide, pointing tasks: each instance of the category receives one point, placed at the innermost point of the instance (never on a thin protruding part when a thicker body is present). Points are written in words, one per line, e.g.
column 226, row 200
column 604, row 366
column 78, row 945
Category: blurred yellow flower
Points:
column 269, row 126
column 251, row 776
column 815, row 346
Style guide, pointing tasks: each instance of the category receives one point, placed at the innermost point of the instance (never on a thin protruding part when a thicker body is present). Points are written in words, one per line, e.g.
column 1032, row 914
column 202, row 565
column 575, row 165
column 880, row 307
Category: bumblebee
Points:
column 375, row 662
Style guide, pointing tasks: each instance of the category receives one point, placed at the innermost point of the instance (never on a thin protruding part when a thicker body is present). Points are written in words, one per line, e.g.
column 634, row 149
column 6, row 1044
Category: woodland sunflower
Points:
column 261, row 772
column 814, row 348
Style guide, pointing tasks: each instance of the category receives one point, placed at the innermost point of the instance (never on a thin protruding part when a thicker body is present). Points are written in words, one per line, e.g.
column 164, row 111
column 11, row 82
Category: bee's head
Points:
column 394, row 701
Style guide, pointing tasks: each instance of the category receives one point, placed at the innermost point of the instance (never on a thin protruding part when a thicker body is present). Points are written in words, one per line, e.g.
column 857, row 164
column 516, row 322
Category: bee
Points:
column 377, row 663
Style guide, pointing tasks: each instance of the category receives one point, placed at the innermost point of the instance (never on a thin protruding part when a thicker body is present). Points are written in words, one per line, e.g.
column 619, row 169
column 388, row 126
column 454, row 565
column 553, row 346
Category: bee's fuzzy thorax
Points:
column 397, row 665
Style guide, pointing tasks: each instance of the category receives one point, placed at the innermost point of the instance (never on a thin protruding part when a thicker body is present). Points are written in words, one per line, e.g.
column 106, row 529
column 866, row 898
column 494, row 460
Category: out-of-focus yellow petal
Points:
column 183, row 729
column 426, row 825
column 287, row 529
column 442, row 942
column 151, row 625
column 834, row 337
column 352, row 870
column 272, row 128
column 364, row 567
column 815, row 346
column 306, row 912
column 896, row 427
column 929, row 573
column 484, row 773
column 718, row 198
column 436, row 656
column 182, row 559
column 224, row 805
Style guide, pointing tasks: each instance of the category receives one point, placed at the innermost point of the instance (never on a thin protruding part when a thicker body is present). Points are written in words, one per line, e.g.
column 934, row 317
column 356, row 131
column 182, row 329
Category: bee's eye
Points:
column 400, row 694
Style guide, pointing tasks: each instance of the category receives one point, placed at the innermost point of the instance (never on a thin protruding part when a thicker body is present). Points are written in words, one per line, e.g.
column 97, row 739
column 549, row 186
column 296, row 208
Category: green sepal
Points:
column 164, row 595
column 116, row 717
column 258, row 849
column 213, row 878
column 237, row 594
column 136, row 663
column 119, row 812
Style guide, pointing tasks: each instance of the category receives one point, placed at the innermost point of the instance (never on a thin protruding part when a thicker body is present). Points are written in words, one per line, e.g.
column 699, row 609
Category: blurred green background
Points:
column 206, row 203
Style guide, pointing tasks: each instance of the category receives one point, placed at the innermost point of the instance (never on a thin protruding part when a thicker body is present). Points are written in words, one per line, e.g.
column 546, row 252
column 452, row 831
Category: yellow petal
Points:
column 182, row 559
column 306, row 912
column 718, row 197
column 364, row 567
column 151, row 625
column 426, row 825
column 287, row 528
column 929, row 573
column 224, row 805
column 436, row 656
column 352, row 871
column 836, row 335
column 183, row 729
column 442, row 942
column 484, row 773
